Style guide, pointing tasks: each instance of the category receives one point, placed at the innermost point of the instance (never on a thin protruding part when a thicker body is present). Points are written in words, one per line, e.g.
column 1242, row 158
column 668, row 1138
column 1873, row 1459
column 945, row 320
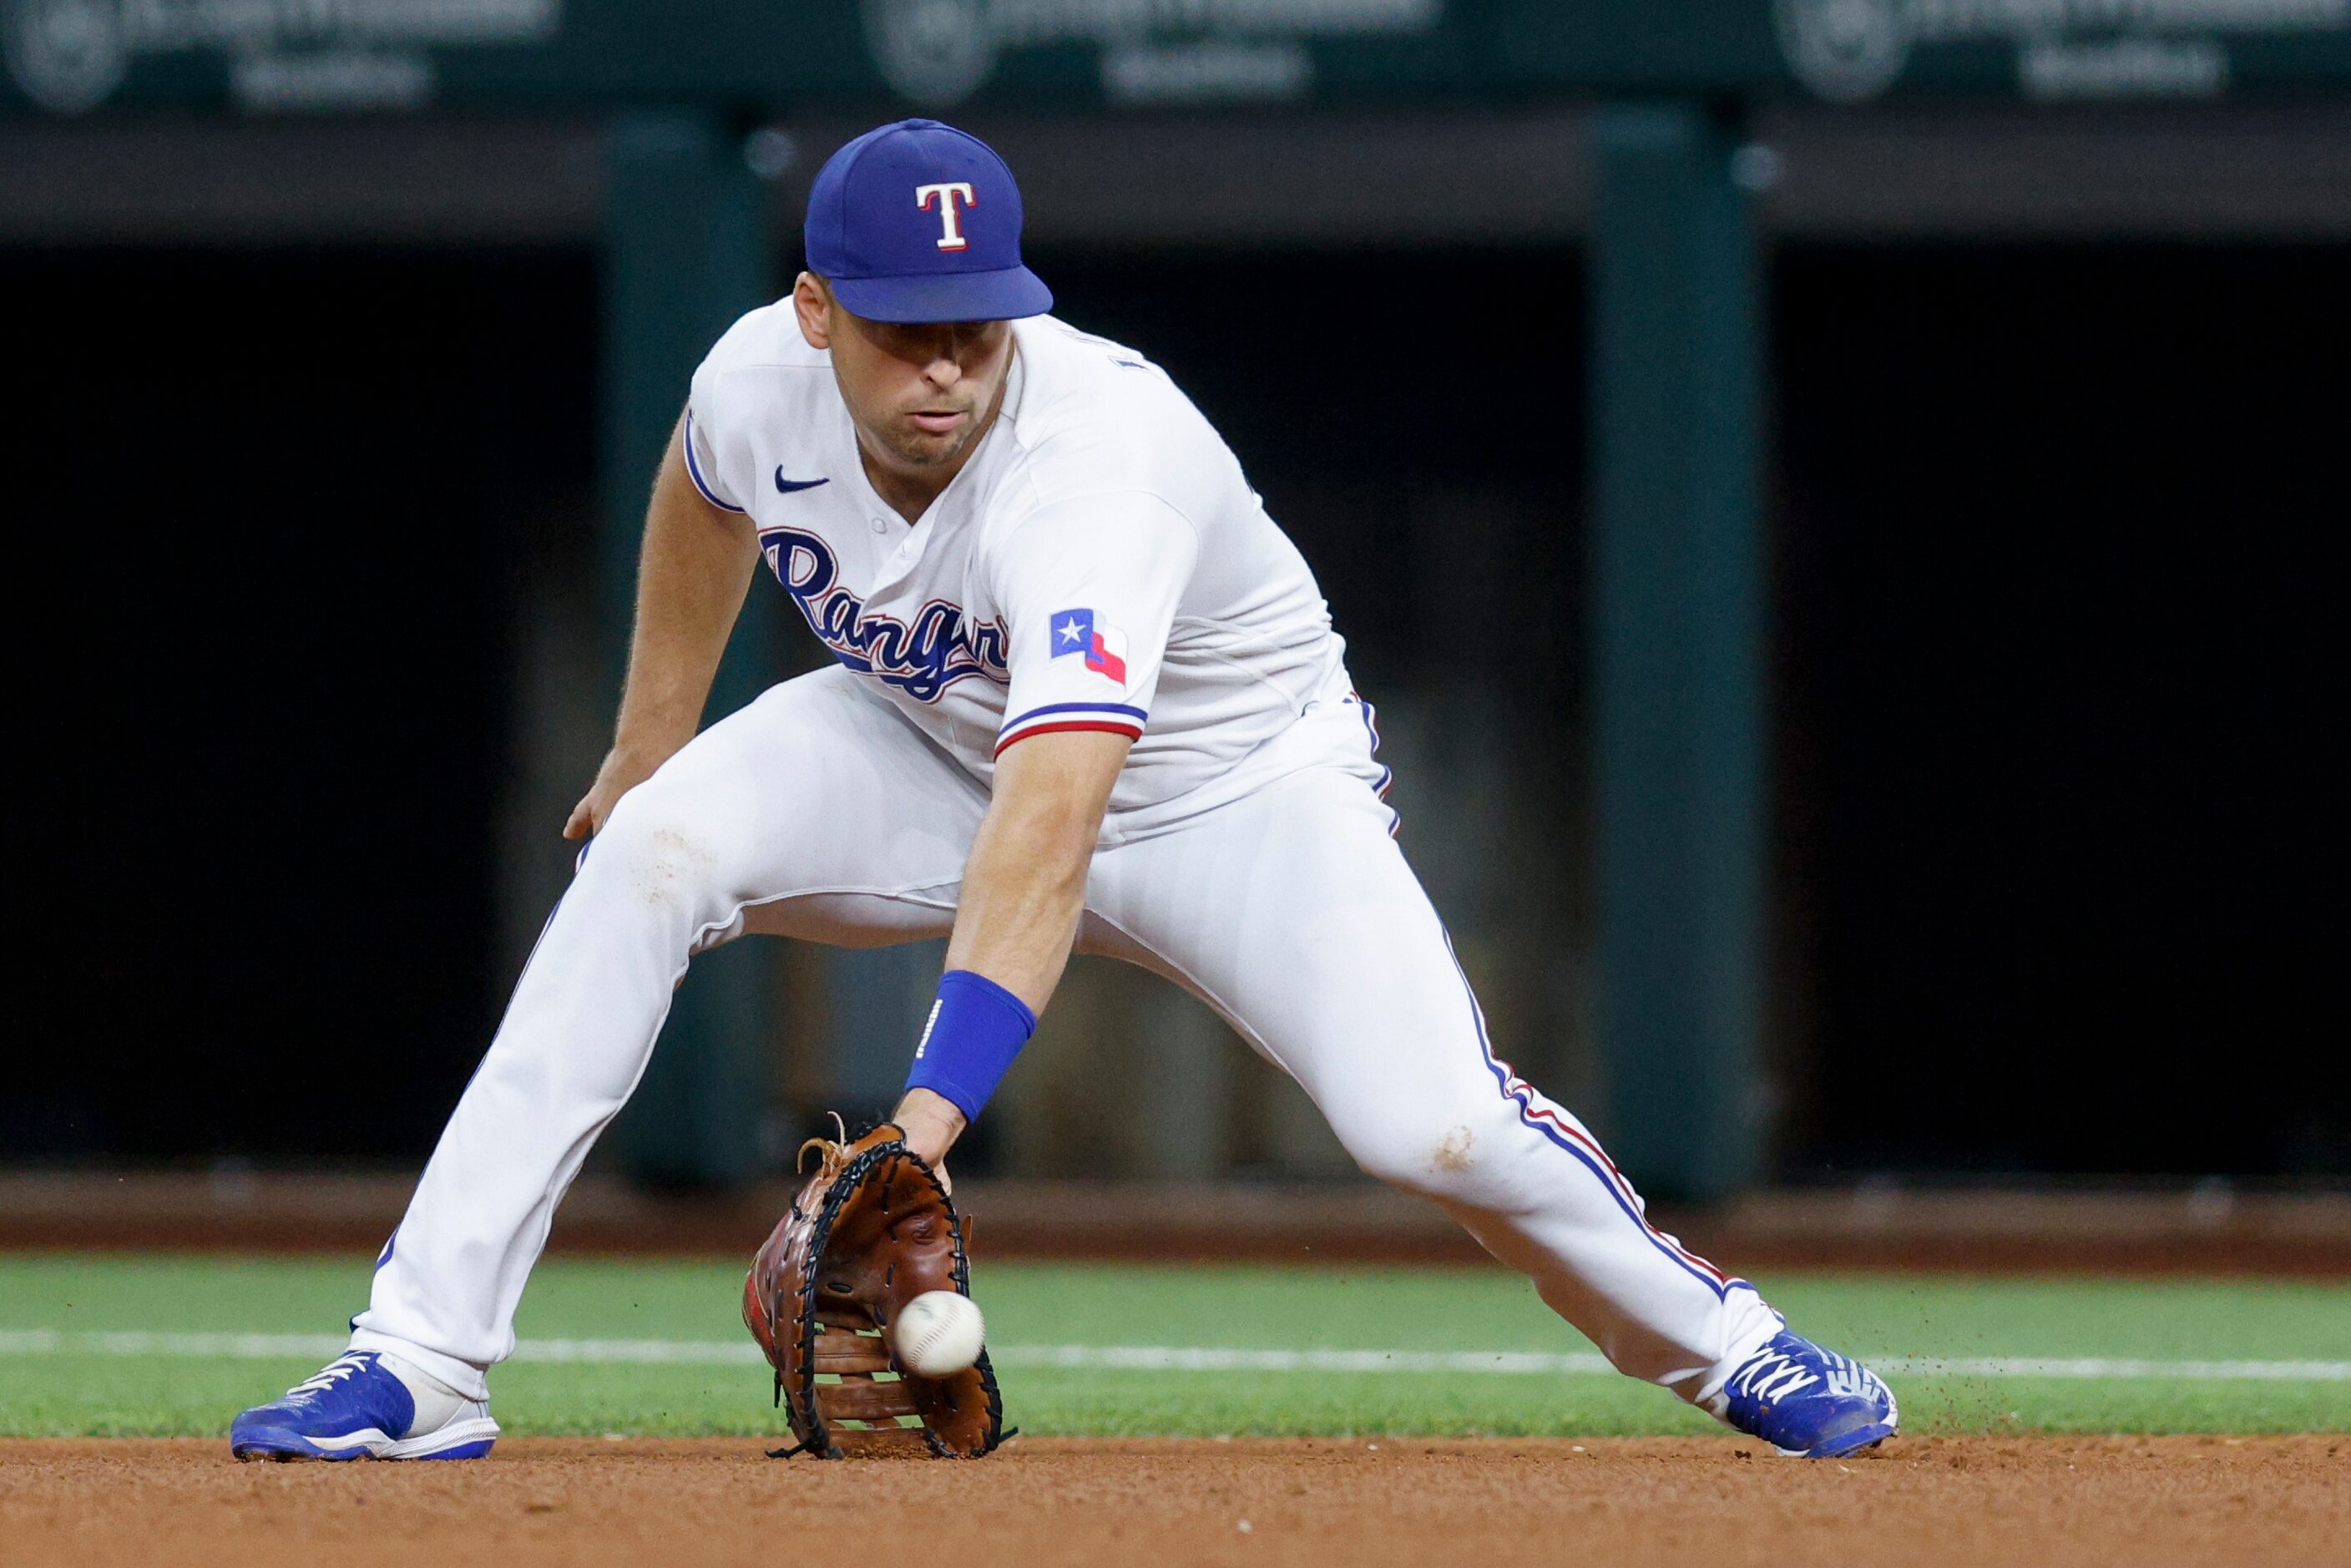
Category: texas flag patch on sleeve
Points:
column 1101, row 645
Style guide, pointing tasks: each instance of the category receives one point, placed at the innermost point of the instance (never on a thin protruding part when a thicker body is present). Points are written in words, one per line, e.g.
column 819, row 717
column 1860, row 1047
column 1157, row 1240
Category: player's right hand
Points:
column 624, row 768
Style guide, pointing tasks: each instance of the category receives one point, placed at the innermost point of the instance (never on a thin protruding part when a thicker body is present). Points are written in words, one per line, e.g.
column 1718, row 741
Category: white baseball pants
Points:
column 818, row 812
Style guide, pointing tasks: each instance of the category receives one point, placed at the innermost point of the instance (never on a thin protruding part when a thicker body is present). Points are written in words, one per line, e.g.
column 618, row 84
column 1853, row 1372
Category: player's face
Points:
column 920, row 393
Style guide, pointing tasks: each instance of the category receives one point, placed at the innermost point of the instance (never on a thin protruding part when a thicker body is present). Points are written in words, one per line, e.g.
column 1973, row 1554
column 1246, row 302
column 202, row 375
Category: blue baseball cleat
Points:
column 365, row 1405
column 1807, row 1402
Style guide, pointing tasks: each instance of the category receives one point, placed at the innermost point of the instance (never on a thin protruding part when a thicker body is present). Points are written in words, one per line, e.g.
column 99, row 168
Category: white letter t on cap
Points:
column 950, row 221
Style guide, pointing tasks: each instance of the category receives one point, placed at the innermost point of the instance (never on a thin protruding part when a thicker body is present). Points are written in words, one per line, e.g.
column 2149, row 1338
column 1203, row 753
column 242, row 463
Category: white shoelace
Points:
column 1770, row 1375
column 327, row 1376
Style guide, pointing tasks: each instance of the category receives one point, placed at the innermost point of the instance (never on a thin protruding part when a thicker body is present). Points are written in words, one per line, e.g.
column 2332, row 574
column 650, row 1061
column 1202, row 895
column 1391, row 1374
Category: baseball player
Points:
column 1087, row 697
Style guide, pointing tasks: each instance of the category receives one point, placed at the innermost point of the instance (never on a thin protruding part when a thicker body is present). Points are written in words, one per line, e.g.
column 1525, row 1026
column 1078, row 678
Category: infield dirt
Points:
column 1983, row 1501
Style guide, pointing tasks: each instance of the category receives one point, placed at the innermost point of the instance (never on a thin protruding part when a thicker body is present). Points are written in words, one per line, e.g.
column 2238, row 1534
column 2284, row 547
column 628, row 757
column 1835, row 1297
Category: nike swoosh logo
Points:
column 788, row 485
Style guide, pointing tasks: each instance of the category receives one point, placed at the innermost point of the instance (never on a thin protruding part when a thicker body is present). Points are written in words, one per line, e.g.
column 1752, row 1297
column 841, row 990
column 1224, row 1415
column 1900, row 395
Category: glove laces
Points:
column 832, row 1154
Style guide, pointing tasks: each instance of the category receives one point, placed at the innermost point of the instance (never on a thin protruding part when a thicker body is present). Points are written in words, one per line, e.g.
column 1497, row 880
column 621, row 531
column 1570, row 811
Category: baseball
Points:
column 937, row 1335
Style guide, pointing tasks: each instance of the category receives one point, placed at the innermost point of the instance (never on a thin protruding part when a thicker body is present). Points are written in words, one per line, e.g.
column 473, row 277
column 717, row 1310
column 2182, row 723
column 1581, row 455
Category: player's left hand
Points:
column 624, row 769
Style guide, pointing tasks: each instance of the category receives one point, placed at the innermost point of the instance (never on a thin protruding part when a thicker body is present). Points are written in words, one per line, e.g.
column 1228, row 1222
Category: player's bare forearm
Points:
column 692, row 574
column 1024, row 886
column 1025, row 881
column 695, row 568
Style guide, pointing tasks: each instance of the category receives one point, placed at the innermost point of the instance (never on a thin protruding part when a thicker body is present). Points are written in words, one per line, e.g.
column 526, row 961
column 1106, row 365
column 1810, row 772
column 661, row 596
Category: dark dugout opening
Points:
column 2049, row 620
column 2062, row 848
column 274, row 506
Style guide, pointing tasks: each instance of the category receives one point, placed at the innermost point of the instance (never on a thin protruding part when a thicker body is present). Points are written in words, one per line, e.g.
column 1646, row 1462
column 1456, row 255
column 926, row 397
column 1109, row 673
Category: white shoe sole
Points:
column 444, row 1442
column 455, row 1435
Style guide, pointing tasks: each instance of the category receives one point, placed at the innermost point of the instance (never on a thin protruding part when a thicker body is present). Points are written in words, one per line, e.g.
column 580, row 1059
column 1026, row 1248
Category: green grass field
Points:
column 146, row 1347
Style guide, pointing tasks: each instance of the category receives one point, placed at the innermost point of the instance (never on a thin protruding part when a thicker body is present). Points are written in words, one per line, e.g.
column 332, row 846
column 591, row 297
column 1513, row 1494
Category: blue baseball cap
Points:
column 920, row 221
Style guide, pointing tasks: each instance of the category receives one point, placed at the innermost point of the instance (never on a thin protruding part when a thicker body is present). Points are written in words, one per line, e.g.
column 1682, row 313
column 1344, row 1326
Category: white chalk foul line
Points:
column 1513, row 1363
column 1161, row 1358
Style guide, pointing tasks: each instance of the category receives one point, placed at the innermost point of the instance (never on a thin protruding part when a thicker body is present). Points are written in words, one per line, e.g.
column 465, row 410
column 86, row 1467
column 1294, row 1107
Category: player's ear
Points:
column 812, row 302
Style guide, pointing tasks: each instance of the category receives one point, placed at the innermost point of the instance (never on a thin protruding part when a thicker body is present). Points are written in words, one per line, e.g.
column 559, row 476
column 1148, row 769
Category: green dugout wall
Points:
column 1678, row 619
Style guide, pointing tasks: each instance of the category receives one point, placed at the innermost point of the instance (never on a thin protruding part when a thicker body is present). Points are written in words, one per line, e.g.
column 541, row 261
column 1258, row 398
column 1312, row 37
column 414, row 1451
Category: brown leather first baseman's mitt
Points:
column 873, row 1229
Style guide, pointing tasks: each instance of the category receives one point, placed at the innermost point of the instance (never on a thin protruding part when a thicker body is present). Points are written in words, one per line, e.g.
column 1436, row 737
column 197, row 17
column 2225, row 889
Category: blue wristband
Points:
column 976, row 1027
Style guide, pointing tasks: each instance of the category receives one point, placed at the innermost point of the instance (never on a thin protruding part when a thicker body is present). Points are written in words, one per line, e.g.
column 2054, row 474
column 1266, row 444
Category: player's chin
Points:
column 922, row 446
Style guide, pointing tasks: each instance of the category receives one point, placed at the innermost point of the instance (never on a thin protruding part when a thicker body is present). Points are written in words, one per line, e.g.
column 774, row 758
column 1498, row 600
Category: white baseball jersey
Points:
column 1099, row 563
